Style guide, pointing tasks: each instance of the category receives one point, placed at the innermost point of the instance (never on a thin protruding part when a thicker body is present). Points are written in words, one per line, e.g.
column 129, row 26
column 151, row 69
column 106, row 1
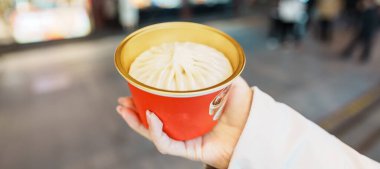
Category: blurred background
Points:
column 58, row 84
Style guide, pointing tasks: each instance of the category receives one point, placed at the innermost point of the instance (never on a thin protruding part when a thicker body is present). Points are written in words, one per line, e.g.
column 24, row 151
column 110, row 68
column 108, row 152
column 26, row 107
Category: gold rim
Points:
column 134, row 82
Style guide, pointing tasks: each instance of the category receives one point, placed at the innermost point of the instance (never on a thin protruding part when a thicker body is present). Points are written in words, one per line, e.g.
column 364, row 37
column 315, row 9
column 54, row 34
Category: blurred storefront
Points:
column 28, row 21
column 129, row 13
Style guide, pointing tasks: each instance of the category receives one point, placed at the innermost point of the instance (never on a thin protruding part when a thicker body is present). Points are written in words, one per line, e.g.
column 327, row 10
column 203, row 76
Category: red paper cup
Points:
column 185, row 114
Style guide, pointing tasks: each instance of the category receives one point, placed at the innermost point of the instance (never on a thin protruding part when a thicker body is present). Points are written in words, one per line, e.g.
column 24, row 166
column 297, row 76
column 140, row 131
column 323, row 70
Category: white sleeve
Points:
column 277, row 137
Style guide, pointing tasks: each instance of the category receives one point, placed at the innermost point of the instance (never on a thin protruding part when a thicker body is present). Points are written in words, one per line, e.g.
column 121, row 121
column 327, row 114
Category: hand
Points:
column 216, row 147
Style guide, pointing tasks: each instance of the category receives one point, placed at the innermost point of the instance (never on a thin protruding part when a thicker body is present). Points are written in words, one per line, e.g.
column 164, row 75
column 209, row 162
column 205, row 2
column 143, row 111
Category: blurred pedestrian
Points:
column 288, row 19
column 310, row 11
column 128, row 14
column 292, row 14
column 351, row 12
column 328, row 11
column 365, row 32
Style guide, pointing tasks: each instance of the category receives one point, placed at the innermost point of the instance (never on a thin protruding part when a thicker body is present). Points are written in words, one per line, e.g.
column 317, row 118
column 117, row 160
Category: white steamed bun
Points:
column 181, row 66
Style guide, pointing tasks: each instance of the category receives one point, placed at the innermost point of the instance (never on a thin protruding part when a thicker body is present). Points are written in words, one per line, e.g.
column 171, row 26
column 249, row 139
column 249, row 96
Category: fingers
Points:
column 126, row 102
column 164, row 144
column 188, row 149
column 194, row 149
column 129, row 115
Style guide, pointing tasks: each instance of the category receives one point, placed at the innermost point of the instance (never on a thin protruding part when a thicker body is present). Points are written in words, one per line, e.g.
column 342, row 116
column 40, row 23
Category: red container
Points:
column 185, row 114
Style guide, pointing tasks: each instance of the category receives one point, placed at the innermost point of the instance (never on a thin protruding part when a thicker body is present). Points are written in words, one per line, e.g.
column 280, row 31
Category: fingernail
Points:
column 120, row 99
column 148, row 115
column 118, row 109
column 156, row 124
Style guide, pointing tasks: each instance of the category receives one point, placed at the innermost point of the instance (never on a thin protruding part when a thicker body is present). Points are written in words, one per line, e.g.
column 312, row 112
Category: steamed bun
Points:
column 181, row 66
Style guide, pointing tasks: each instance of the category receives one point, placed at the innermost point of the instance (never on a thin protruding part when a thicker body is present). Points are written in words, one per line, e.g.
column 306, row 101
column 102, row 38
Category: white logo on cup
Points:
column 217, row 105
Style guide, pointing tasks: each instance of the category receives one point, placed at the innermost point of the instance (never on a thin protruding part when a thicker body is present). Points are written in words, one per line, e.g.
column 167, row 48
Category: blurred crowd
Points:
column 291, row 19
column 28, row 21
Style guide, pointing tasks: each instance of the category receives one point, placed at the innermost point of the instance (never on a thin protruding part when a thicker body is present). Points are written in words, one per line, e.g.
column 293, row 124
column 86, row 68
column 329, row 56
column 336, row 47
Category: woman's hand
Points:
column 214, row 148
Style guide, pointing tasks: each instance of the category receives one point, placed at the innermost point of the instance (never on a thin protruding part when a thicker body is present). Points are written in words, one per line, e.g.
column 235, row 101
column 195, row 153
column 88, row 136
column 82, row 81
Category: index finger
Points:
column 126, row 102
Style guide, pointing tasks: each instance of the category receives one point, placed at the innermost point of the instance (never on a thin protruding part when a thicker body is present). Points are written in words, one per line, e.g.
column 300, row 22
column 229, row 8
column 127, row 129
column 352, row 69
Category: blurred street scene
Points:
column 59, row 86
